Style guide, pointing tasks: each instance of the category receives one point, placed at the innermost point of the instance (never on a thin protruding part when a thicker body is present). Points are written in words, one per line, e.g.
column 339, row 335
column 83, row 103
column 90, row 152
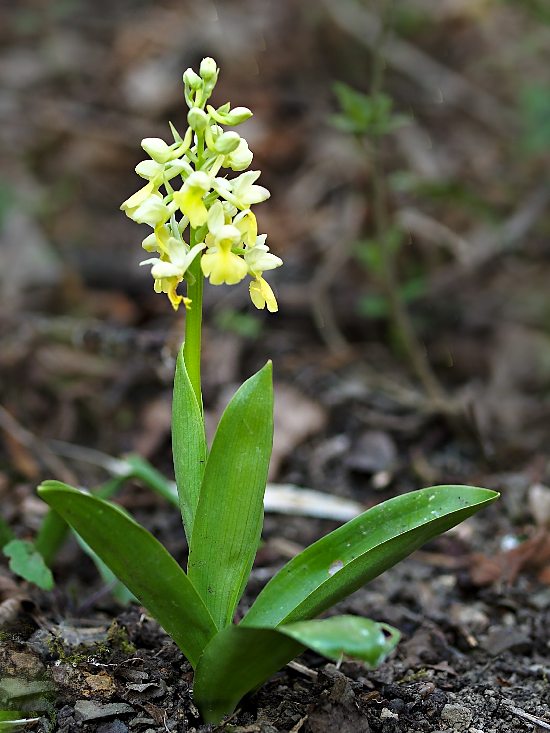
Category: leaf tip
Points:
column 45, row 487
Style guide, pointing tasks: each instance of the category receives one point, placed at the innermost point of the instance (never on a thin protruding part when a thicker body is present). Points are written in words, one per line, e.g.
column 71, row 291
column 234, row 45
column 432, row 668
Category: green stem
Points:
column 193, row 324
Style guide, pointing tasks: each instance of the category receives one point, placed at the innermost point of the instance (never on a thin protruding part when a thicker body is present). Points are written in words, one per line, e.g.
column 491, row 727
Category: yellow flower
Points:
column 169, row 269
column 246, row 192
column 259, row 258
column 261, row 295
column 168, row 285
column 219, row 263
column 246, row 223
column 152, row 211
column 190, row 198
column 137, row 198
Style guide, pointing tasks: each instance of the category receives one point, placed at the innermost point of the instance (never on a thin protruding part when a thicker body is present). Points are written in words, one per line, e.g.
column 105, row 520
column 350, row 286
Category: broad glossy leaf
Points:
column 236, row 661
column 188, row 444
column 140, row 562
column 239, row 659
column 117, row 589
column 344, row 560
column 228, row 521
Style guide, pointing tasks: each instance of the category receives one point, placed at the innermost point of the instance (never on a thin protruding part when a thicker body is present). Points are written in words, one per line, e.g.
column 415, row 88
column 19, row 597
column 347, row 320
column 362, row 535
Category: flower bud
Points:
column 226, row 116
column 192, row 80
column 149, row 169
column 238, row 115
column 240, row 158
column 197, row 119
column 208, row 69
column 227, row 143
column 157, row 149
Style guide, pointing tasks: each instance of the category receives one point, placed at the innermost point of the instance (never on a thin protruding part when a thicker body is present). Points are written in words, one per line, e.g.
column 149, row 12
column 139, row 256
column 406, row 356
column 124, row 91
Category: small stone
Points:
column 471, row 617
column 501, row 638
column 114, row 726
column 375, row 453
column 89, row 710
column 541, row 599
column 397, row 705
column 26, row 664
column 101, row 683
column 386, row 713
column 457, row 716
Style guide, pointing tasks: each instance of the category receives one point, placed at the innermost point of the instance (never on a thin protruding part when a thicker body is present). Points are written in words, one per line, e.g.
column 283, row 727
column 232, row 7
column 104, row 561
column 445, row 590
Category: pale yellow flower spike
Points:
column 210, row 209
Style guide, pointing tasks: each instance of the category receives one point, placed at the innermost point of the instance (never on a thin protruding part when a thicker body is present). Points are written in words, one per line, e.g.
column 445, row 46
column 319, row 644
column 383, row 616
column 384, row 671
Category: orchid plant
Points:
column 205, row 228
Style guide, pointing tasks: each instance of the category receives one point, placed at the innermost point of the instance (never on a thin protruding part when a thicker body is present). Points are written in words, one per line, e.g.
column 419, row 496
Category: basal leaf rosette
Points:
column 196, row 207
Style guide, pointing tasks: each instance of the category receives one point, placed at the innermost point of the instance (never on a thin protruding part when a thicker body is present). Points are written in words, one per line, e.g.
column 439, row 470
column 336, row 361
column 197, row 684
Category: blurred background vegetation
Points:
column 407, row 148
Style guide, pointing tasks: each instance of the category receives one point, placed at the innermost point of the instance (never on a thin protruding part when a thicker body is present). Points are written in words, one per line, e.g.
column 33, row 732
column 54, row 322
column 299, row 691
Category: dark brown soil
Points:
column 469, row 661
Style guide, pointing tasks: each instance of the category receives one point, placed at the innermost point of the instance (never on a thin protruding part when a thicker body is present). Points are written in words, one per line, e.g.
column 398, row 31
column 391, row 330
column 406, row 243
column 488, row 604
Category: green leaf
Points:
column 229, row 517
column 373, row 306
column 28, row 563
column 364, row 113
column 117, row 589
column 10, row 719
column 239, row 659
column 5, row 533
column 535, row 111
column 236, row 661
column 140, row 562
column 346, row 636
column 188, row 444
column 344, row 560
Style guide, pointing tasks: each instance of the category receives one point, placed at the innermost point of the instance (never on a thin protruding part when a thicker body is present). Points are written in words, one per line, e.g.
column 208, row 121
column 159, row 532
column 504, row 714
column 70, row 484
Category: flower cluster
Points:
column 206, row 215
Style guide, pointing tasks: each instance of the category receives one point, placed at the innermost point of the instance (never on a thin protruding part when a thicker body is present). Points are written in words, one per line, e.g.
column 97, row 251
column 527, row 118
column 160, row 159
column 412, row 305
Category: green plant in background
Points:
column 31, row 560
column 369, row 118
column 365, row 114
column 534, row 105
column 205, row 228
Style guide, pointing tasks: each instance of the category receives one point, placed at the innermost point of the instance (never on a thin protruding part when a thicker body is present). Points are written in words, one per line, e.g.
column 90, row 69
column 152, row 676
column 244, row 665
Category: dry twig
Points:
column 27, row 439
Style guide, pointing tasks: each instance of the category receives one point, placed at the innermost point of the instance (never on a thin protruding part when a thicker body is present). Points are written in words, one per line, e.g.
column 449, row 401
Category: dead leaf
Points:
column 533, row 555
column 156, row 419
column 21, row 457
column 297, row 418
